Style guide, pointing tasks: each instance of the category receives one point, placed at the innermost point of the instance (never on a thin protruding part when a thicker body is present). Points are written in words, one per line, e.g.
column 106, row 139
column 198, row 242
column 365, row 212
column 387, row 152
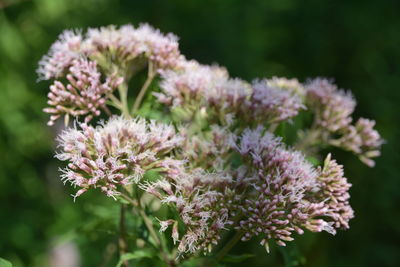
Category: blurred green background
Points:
column 357, row 42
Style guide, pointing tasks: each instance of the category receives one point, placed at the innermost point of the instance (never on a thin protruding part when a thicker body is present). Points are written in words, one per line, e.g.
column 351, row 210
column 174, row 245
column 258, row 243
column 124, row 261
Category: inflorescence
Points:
column 221, row 166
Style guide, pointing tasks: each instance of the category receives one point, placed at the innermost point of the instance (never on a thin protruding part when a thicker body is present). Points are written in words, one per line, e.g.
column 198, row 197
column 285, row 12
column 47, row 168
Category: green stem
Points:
column 149, row 224
column 123, row 102
column 150, row 76
column 309, row 140
column 228, row 246
column 130, row 200
column 115, row 101
column 123, row 244
column 273, row 127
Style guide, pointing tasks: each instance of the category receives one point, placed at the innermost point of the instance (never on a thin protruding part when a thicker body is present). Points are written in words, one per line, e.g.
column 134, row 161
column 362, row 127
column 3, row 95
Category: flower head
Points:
column 118, row 152
column 332, row 107
column 61, row 55
column 208, row 150
column 84, row 95
column 333, row 189
column 202, row 202
column 120, row 44
column 162, row 50
column 361, row 139
column 291, row 85
column 281, row 197
column 205, row 88
column 191, row 84
column 97, row 62
column 274, row 101
column 200, row 86
column 127, row 43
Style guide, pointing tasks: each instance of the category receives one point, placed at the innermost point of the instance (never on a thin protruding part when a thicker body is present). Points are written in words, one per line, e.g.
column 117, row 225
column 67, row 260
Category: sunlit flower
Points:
column 162, row 50
column 225, row 99
column 61, row 55
column 116, row 43
column 127, row 43
column 118, row 152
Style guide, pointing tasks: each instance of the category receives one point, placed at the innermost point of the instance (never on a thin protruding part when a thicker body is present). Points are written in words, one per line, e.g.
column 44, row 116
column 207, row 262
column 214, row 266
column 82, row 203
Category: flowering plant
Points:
column 204, row 160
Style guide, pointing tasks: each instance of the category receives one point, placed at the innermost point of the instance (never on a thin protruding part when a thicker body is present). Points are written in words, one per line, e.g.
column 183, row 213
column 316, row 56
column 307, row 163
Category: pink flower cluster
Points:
column 117, row 152
column 224, row 168
column 108, row 53
column 60, row 56
column 200, row 199
column 286, row 194
column 209, row 150
column 197, row 87
column 274, row 102
column 84, row 95
column 275, row 194
column 127, row 43
column 333, row 109
column 333, row 188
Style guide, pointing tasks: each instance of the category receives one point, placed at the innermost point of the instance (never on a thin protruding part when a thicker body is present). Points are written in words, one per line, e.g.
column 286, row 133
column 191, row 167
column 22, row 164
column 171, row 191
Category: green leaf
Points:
column 237, row 258
column 139, row 254
column 313, row 160
column 195, row 262
column 292, row 256
column 152, row 175
column 122, row 200
column 4, row 263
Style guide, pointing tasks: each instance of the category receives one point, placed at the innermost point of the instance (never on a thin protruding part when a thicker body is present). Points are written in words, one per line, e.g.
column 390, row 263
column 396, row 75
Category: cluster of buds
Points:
column 198, row 87
column 361, row 139
column 110, row 52
column 119, row 45
column 333, row 188
column 125, row 44
column 84, row 95
column 118, row 152
column 61, row 55
column 202, row 201
column 291, row 85
column 287, row 194
column 333, row 109
column 274, row 100
column 162, row 50
column 190, row 84
column 208, row 150
column 122, row 44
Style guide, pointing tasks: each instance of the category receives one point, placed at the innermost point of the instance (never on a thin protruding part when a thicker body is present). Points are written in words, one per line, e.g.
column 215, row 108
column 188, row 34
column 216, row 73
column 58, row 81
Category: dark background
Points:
column 357, row 42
